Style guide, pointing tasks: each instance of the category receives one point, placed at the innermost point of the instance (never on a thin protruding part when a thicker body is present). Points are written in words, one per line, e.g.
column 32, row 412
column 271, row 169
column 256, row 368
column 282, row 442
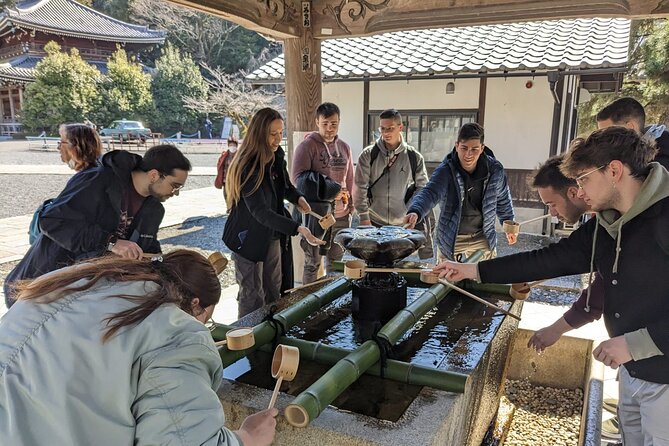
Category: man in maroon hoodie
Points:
column 323, row 152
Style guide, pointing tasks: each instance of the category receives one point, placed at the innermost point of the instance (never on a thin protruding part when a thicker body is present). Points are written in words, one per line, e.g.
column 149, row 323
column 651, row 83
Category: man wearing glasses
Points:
column 387, row 175
column 113, row 208
column 628, row 245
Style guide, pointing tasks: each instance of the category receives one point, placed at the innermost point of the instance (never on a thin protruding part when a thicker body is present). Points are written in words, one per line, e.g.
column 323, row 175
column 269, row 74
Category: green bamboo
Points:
column 310, row 403
column 494, row 288
column 265, row 332
column 395, row 370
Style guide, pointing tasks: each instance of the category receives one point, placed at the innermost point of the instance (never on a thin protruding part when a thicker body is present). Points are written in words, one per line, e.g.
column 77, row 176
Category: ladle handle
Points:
column 290, row 290
column 397, row 270
column 318, row 216
column 542, row 217
column 272, row 401
column 476, row 298
column 219, row 343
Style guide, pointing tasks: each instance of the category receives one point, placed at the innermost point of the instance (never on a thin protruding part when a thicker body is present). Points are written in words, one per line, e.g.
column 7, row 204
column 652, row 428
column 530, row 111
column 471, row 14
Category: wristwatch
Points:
column 111, row 242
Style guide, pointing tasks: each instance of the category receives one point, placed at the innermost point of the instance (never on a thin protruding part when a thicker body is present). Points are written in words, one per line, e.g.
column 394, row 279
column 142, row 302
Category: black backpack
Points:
column 413, row 160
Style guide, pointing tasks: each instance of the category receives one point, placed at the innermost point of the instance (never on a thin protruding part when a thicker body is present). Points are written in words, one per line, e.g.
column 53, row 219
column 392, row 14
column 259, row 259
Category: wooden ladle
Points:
column 356, row 269
column 285, row 361
column 521, row 291
column 429, row 277
column 324, row 221
column 238, row 339
column 512, row 227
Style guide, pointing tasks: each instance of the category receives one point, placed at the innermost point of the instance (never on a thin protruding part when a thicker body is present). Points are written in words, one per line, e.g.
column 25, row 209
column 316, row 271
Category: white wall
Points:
column 518, row 121
column 349, row 97
column 423, row 95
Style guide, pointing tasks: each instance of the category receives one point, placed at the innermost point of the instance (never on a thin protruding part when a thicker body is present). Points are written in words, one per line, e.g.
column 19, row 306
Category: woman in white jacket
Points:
column 115, row 351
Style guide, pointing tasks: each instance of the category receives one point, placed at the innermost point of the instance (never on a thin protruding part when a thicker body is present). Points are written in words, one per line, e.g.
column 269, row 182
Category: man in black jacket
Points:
column 628, row 245
column 115, row 207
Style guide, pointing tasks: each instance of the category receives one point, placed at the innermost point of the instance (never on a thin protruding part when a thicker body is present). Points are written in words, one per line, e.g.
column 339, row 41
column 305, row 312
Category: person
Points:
column 115, row 207
column 115, row 351
column 223, row 165
column 208, row 127
column 471, row 187
column 627, row 245
column 628, row 112
column 80, row 148
column 258, row 227
column 560, row 194
column 326, row 154
column 389, row 172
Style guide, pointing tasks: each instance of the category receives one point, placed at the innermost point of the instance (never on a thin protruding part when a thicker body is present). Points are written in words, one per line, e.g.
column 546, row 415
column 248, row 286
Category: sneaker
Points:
column 611, row 429
column 610, row 405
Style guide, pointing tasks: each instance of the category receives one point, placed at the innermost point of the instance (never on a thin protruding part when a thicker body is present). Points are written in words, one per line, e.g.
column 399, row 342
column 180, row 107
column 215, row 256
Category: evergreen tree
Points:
column 65, row 90
column 177, row 77
column 126, row 90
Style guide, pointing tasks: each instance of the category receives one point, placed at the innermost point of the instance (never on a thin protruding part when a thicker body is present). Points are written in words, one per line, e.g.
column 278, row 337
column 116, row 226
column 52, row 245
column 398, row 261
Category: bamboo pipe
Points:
column 265, row 332
column 307, row 285
column 311, row 402
column 399, row 371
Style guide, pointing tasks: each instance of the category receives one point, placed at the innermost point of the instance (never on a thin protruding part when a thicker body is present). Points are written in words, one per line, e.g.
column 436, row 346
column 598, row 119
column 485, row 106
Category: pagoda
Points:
column 29, row 25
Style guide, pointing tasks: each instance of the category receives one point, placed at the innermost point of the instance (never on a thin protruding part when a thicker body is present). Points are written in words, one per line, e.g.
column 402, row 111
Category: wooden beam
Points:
column 483, row 87
column 275, row 18
column 348, row 18
column 11, row 105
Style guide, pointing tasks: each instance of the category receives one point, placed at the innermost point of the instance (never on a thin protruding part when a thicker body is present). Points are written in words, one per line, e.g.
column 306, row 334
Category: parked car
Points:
column 127, row 130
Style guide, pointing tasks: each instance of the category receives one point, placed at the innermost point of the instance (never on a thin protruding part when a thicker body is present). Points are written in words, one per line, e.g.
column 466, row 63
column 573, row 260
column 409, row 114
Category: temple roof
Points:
column 70, row 18
column 530, row 46
column 22, row 69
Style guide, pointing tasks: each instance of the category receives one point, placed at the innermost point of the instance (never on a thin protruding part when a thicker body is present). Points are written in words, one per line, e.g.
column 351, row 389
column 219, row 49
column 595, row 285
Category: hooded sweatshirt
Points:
column 332, row 159
column 631, row 253
column 387, row 206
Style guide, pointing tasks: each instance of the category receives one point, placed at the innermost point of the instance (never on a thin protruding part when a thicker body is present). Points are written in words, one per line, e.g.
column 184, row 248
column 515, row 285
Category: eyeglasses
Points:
column 175, row 187
column 210, row 324
column 579, row 179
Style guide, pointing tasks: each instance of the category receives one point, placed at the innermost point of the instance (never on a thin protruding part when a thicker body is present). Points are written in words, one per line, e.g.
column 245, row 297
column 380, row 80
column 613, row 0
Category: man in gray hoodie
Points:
column 325, row 153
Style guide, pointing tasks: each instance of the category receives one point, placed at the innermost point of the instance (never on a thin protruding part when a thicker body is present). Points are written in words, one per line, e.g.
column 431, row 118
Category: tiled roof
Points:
column 22, row 69
column 530, row 46
column 67, row 17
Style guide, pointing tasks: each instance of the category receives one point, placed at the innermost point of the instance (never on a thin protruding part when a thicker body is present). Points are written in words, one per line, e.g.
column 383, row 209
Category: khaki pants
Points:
column 466, row 245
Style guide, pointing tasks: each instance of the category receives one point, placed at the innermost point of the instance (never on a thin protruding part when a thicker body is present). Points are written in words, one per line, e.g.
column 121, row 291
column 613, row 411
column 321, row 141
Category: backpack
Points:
column 413, row 160
column 34, row 230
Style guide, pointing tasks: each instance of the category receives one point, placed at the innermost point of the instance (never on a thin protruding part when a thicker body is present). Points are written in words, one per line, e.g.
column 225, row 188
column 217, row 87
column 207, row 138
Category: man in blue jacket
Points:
column 113, row 208
column 472, row 189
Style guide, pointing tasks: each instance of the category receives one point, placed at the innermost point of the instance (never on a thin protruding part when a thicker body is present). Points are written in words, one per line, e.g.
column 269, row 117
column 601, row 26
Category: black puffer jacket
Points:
column 255, row 218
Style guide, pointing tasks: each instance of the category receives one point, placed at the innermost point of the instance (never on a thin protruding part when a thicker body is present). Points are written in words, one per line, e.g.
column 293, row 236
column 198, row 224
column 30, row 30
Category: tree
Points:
column 647, row 79
column 65, row 90
column 126, row 90
column 177, row 77
column 208, row 39
column 230, row 96
column 114, row 8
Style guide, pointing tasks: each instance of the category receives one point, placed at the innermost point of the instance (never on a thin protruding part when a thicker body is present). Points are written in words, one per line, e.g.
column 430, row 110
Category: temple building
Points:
column 29, row 25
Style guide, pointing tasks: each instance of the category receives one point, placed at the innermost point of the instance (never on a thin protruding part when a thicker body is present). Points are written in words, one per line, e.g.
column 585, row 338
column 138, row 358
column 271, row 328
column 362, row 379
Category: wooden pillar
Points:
column 21, row 87
column 303, row 83
column 11, row 104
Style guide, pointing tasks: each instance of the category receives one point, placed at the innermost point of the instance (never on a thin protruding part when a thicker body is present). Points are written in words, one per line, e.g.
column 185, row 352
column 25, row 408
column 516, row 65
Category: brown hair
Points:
column 181, row 276
column 85, row 144
column 606, row 145
column 253, row 156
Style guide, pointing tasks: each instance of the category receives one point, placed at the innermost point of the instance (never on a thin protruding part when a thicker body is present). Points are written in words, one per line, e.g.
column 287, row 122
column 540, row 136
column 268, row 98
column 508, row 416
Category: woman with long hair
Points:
column 259, row 225
column 115, row 351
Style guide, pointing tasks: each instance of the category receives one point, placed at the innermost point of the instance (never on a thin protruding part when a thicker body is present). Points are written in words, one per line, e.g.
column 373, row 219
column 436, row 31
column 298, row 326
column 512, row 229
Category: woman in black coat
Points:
column 256, row 186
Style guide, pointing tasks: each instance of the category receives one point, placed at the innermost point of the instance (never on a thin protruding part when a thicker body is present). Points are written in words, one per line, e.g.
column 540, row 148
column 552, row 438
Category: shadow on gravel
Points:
column 196, row 232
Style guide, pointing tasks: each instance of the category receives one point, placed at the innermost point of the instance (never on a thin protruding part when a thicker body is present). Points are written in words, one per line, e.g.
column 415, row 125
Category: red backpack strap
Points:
column 220, row 170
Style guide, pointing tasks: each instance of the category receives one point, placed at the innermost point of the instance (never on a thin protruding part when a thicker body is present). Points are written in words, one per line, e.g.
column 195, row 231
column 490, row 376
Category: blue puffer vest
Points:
column 446, row 183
